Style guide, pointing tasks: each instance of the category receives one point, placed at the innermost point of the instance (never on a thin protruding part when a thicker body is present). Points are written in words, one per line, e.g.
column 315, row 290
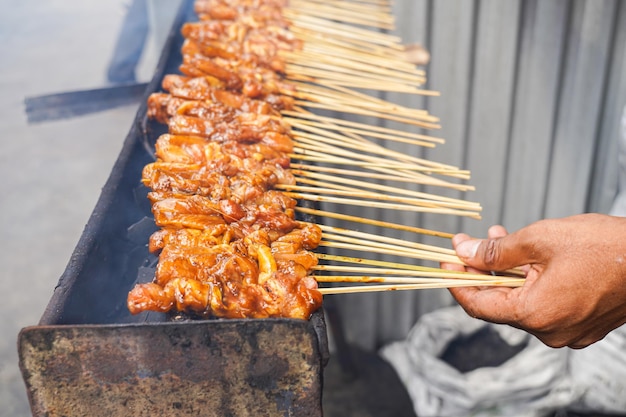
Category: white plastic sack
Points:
column 532, row 383
column 599, row 372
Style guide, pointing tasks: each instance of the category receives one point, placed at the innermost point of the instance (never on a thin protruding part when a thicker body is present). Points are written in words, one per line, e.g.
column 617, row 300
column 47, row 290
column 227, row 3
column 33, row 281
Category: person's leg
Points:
column 130, row 44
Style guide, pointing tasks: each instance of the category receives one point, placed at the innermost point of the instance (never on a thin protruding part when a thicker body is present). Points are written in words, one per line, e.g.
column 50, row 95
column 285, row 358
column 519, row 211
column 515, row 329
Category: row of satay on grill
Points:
column 228, row 242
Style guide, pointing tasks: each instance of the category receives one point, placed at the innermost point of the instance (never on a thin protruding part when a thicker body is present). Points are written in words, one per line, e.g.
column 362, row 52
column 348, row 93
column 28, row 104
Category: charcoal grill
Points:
column 88, row 356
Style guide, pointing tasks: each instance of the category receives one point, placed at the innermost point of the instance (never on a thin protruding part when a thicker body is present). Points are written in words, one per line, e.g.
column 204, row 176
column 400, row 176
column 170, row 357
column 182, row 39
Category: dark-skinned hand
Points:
column 575, row 288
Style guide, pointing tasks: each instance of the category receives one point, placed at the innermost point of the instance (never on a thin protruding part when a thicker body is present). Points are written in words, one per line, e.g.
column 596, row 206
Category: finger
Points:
column 495, row 254
column 452, row 267
column 456, row 240
column 491, row 304
column 497, row 231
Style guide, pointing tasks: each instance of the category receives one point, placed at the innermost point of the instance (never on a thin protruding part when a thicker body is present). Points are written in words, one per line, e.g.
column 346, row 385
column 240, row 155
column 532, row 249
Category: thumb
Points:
column 496, row 254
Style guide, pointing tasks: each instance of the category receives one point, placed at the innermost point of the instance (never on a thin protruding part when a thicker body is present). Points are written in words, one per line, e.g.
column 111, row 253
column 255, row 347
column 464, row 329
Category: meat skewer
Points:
column 229, row 242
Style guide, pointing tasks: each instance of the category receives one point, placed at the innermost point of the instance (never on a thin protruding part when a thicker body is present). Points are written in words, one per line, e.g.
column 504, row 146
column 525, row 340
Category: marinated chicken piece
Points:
column 253, row 130
column 204, row 88
column 228, row 244
column 222, row 281
column 227, row 158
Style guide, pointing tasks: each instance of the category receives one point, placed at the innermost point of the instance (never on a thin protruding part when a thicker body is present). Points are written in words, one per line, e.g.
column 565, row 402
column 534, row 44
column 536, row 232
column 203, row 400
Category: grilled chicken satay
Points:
column 229, row 10
column 229, row 244
column 246, row 280
column 204, row 88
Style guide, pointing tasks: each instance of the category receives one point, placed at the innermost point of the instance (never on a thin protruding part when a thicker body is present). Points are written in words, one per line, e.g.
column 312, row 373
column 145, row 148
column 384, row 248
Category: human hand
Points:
column 575, row 289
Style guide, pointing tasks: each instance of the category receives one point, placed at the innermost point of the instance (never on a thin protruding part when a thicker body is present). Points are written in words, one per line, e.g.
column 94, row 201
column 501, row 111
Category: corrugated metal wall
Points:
column 531, row 96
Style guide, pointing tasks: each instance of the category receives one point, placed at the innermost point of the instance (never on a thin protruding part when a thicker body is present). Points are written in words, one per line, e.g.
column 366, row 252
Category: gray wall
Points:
column 531, row 97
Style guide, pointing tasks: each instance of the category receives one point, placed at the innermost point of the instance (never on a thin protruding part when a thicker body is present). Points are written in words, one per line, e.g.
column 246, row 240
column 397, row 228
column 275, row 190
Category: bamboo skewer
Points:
column 400, row 287
column 314, row 55
column 347, row 96
column 299, row 123
column 329, row 159
column 339, row 58
column 374, row 262
column 342, row 31
column 339, row 95
column 449, row 257
column 346, row 16
column 414, row 254
column 307, row 145
column 363, row 190
column 396, row 241
column 295, row 189
column 350, row 67
column 416, row 178
column 377, row 10
column 422, row 278
column 304, row 174
column 372, row 175
column 368, row 130
column 334, row 49
column 372, row 222
column 370, row 152
column 322, row 41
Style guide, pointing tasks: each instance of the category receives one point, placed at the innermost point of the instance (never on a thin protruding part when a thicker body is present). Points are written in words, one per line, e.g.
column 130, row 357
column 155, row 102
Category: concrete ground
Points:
column 51, row 172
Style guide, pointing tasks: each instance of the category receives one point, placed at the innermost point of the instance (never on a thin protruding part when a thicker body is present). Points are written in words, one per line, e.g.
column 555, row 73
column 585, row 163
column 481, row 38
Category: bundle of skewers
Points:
column 253, row 133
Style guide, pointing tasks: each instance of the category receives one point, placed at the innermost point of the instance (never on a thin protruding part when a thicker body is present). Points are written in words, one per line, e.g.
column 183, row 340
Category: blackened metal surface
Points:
column 89, row 356
column 220, row 368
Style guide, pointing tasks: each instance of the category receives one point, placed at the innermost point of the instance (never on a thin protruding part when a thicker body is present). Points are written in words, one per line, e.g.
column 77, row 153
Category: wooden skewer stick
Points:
column 349, row 66
column 339, row 124
column 414, row 254
column 414, row 178
column 344, row 184
column 370, row 196
column 332, row 101
column 333, row 49
column 376, row 204
column 346, row 96
column 367, row 174
column 372, row 222
column 400, row 287
column 389, row 250
column 517, row 272
column 380, row 6
column 329, row 159
column 423, row 278
column 374, row 262
column 338, row 44
column 307, row 150
column 321, row 146
column 297, row 123
column 361, row 112
column 373, row 84
column 394, row 107
column 352, row 64
column 331, row 11
column 377, row 11
column 330, row 94
column 349, row 97
column 339, row 142
column 370, row 81
column 344, row 31
column 385, row 239
column 345, row 16
column 370, row 274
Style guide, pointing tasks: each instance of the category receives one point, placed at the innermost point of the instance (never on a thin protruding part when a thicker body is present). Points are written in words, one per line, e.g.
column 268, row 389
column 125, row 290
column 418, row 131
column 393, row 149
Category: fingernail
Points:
column 468, row 248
